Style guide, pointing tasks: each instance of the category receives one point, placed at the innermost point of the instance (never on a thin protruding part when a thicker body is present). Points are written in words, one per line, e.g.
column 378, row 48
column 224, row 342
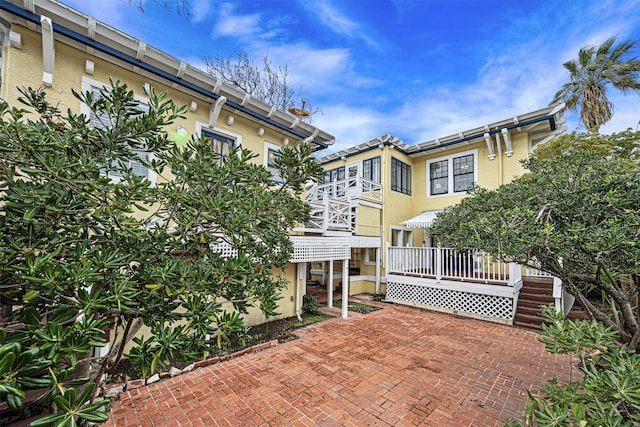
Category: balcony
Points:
column 334, row 205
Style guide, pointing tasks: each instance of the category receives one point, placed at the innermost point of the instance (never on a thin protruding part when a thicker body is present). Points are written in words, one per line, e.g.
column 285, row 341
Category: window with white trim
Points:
column 400, row 176
column 401, row 237
column 221, row 140
column 371, row 169
column 370, row 256
column 220, row 144
column 104, row 121
column 453, row 174
column 271, row 152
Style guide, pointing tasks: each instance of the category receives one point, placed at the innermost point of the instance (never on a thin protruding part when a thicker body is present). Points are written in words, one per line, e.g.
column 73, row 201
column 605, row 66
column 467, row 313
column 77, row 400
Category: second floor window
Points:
column 452, row 174
column 102, row 120
column 371, row 169
column 400, row 176
column 333, row 175
column 272, row 152
column 220, row 144
column 439, row 177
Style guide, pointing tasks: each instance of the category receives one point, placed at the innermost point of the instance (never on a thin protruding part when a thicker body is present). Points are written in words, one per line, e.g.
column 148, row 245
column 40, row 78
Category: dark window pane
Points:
column 462, row 173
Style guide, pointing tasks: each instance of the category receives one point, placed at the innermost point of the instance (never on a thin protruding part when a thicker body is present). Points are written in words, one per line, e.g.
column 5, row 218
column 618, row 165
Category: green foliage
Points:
column 574, row 215
column 310, row 304
column 594, row 71
column 86, row 259
column 608, row 392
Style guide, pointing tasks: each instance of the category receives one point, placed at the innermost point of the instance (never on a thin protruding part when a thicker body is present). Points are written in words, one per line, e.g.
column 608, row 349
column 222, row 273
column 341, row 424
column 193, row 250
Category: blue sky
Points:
column 417, row 69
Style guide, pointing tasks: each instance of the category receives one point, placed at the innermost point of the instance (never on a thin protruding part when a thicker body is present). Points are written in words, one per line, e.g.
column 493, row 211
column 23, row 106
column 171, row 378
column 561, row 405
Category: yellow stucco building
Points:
column 376, row 198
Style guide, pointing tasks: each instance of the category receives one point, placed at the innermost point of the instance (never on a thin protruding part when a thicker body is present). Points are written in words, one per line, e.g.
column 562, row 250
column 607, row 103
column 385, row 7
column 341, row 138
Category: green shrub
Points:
column 608, row 392
column 310, row 305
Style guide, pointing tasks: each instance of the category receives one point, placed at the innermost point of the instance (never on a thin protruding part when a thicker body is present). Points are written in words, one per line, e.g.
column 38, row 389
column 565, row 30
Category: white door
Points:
column 354, row 172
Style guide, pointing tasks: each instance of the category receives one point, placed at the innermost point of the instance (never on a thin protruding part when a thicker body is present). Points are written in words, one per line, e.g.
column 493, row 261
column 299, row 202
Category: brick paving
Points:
column 398, row 366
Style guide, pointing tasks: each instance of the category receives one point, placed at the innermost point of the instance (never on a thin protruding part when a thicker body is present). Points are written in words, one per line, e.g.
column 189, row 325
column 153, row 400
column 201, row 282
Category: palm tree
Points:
column 594, row 70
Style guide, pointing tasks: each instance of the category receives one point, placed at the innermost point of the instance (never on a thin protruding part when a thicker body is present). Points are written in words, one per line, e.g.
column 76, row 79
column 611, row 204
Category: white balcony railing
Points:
column 446, row 263
column 353, row 188
column 330, row 215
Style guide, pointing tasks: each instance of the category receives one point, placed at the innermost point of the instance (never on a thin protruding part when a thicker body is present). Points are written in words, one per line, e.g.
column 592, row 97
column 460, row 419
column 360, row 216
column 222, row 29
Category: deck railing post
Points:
column 325, row 219
column 438, row 264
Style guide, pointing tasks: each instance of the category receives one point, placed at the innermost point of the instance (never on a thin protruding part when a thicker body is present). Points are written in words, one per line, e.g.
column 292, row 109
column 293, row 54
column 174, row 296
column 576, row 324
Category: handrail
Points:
column 354, row 187
column 448, row 263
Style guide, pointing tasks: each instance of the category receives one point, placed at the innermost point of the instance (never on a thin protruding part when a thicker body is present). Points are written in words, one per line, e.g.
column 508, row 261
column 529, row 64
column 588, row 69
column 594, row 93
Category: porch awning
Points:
column 423, row 220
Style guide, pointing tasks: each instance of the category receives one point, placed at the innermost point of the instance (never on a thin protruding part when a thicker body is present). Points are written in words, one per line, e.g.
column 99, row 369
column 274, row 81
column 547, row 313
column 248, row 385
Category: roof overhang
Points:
column 98, row 39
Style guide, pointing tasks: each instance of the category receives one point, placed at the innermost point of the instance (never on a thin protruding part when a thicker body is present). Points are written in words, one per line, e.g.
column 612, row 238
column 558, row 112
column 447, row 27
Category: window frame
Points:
column 395, row 163
column 202, row 128
column 335, row 171
column 451, row 191
column 268, row 147
column 372, row 167
column 89, row 84
column 404, row 232
column 370, row 257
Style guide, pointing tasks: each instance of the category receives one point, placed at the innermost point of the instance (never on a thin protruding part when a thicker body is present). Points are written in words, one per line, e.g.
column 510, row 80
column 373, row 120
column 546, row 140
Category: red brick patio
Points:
column 398, row 366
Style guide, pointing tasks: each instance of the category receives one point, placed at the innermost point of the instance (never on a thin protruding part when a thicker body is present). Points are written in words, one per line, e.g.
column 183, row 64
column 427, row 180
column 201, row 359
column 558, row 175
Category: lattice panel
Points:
column 305, row 249
column 487, row 305
column 452, row 300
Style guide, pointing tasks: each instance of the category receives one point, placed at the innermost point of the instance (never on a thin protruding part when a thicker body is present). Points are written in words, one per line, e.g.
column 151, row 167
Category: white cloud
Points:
column 200, row 10
column 235, row 25
column 337, row 22
column 350, row 125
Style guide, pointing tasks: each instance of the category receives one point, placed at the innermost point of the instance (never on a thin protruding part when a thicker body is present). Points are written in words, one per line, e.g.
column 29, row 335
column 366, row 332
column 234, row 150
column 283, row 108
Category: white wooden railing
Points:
column 446, row 263
column 467, row 283
column 330, row 215
column 353, row 187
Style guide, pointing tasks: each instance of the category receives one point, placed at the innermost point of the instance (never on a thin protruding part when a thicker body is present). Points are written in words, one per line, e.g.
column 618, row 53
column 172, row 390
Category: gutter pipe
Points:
column 552, row 124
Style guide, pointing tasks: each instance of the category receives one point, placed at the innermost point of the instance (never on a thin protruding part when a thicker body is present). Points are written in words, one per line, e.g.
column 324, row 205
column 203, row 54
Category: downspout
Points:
column 380, row 252
column 298, row 293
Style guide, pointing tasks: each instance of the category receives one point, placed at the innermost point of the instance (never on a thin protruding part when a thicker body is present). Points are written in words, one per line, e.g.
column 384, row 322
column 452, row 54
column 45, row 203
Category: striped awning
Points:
column 423, row 220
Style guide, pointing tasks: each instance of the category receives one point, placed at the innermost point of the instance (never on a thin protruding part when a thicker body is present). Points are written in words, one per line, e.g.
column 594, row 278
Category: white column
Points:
column 298, row 292
column 378, row 260
column 438, row 264
column 345, row 288
column 330, row 286
column 303, row 277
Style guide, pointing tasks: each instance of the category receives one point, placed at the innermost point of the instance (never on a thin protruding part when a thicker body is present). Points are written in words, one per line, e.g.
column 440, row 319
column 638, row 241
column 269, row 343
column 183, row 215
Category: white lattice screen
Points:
column 305, row 249
column 458, row 301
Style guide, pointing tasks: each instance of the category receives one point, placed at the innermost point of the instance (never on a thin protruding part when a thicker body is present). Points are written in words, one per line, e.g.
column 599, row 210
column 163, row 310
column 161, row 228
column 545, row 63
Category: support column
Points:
column 330, row 286
column 345, row 288
column 300, row 276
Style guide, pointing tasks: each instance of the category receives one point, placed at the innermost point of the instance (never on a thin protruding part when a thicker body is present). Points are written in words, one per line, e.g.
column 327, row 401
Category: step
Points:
column 537, row 290
column 536, row 299
column 524, row 325
column 537, row 280
column 533, row 311
column 528, row 318
column 534, row 290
